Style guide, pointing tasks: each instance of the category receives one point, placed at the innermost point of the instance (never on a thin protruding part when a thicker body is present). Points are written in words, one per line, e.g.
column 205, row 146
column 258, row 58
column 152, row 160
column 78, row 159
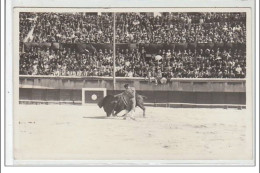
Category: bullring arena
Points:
column 84, row 132
column 192, row 67
column 186, row 119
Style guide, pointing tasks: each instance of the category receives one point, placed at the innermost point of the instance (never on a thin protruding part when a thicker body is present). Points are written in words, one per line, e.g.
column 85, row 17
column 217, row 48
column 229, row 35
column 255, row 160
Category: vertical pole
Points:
column 114, row 52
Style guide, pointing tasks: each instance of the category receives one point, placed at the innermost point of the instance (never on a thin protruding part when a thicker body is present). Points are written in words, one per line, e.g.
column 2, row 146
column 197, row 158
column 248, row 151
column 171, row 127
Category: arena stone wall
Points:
column 175, row 93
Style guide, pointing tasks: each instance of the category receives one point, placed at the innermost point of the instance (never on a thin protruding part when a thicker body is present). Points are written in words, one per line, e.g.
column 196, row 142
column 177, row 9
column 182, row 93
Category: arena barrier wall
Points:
column 176, row 93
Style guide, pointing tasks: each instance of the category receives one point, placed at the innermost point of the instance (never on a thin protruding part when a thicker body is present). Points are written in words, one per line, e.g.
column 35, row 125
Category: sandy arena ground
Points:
column 83, row 132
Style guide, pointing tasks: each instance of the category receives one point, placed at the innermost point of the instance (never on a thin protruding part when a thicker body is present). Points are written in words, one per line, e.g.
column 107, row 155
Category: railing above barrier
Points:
column 135, row 78
column 142, row 84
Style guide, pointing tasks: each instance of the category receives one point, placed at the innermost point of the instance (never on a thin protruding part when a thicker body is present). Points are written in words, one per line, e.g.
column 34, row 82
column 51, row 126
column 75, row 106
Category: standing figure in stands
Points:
column 130, row 92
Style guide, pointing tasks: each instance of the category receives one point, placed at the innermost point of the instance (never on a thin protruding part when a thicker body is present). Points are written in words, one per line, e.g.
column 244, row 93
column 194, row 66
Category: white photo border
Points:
column 11, row 5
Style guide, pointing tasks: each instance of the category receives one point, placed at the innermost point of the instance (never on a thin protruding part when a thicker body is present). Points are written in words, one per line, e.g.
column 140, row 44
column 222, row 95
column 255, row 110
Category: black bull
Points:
column 118, row 103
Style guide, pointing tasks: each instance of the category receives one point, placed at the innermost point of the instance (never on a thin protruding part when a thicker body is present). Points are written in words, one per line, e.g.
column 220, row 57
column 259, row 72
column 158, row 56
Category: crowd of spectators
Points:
column 181, row 28
column 135, row 28
column 26, row 23
column 72, row 27
column 65, row 62
column 167, row 64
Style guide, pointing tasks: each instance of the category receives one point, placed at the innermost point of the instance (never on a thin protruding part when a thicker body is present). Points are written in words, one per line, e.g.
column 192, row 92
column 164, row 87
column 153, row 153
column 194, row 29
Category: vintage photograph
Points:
column 169, row 84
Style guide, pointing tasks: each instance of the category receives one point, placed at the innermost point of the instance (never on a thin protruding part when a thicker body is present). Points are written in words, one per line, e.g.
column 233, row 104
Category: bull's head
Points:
column 114, row 104
column 100, row 103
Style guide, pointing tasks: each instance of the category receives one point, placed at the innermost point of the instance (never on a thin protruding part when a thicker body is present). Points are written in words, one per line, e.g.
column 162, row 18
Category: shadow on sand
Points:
column 104, row 117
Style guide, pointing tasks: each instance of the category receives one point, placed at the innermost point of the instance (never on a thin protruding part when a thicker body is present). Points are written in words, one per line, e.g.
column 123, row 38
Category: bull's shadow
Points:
column 104, row 117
